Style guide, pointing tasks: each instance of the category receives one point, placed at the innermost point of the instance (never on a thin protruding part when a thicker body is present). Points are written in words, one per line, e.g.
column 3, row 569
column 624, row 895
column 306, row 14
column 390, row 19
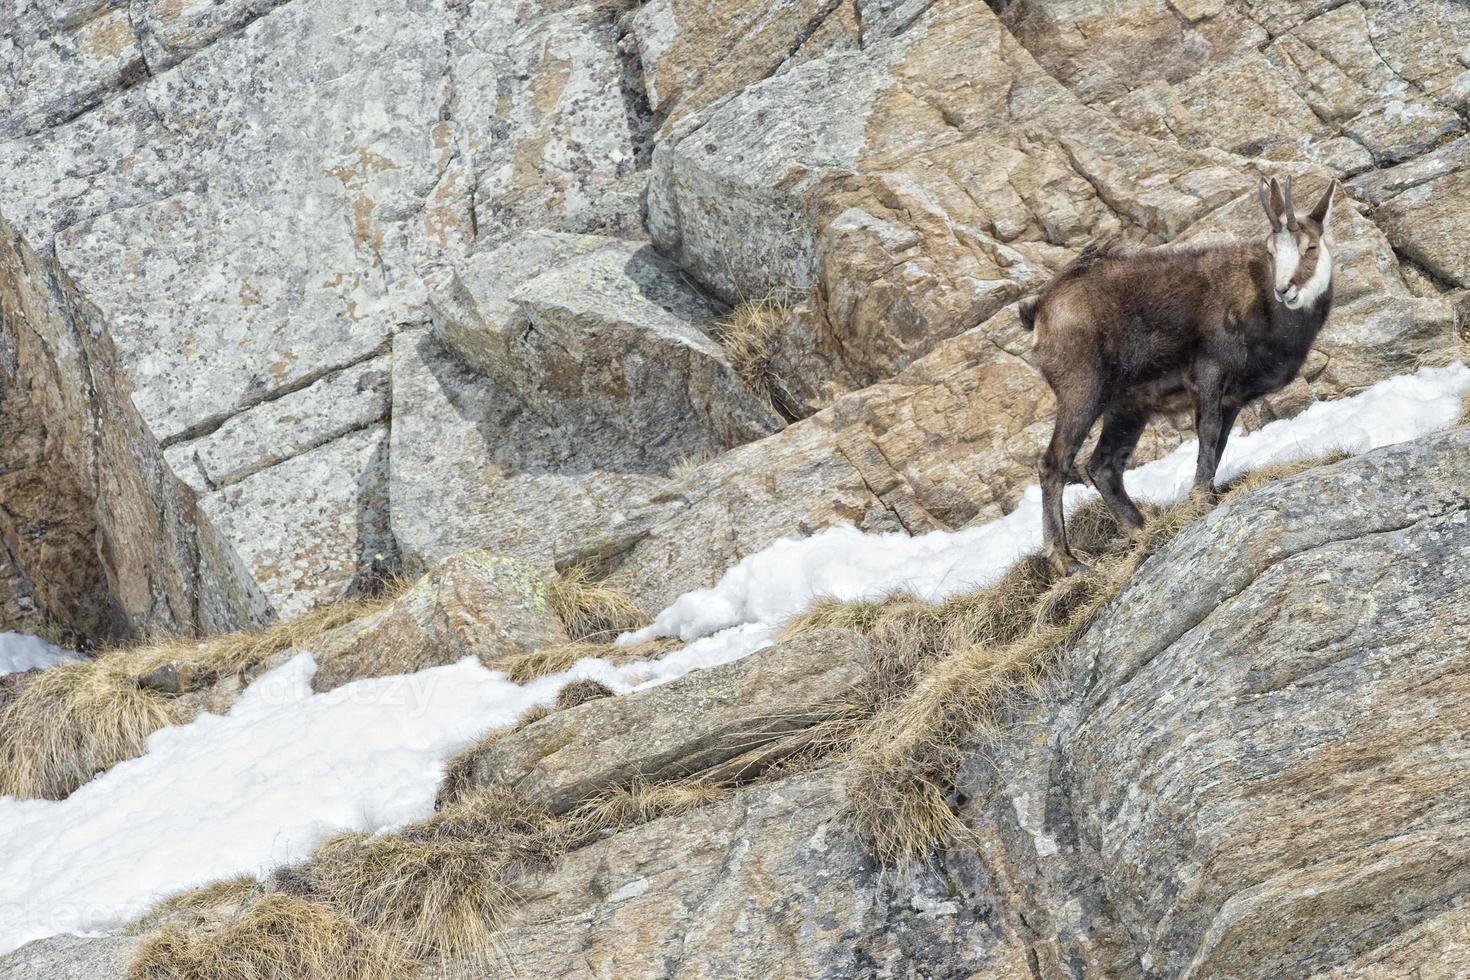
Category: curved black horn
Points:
column 1290, row 208
column 1266, row 204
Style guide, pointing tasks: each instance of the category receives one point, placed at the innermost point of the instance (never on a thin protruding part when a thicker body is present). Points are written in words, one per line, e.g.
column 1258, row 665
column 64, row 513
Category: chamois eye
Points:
column 1312, row 247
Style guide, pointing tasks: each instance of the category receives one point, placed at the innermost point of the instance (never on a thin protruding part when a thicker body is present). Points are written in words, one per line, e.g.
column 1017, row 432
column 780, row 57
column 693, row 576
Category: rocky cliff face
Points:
column 225, row 229
column 295, row 296
column 1249, row 767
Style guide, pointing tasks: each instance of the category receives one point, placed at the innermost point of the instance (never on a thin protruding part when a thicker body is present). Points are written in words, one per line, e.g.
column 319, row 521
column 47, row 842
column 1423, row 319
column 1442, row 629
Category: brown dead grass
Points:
column 379, row 906
column 688, row 464
column 748, row 335
column 637, row 803
column 197, row 906
column 1464, row 418
column 276, row 937
column 68, row 723
column 592, row 610
column 580, row 692
column 945, row 674
column 459, row 775
column 525, row 667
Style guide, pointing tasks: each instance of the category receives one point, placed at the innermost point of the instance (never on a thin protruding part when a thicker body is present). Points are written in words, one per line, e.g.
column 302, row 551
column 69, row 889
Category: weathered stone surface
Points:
column 171, row 30
column 1438, row 949
column 687, row 726
column 70, row 958
column 50, row 578
column 314, row 527
column 1252, row 768
column 1422, row 208
column 1265, row 116
column 165, row 569
column 695, row 51
column 552, row 134
column 58, row 60
column 602, row 337
column 271, row 204
column 1102, row 52
column 470, row 468
column 768, row 884
column 472, row 605
column 595, row 380
column 1349, row 85
column 342, row 402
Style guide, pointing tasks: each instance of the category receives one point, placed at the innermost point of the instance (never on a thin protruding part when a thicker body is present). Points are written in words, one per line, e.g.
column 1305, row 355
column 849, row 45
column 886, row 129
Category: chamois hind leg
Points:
column 1077, row 408
column 1121, row 430
column 1227, row 422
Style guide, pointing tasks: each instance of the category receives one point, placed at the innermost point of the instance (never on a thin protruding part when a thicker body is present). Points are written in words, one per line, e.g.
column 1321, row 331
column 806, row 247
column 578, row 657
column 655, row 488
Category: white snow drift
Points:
column 260, row 786
column 19, row 652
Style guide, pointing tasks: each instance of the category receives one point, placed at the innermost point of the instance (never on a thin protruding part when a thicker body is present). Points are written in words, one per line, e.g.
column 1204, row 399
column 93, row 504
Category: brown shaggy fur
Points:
column 1125, row 335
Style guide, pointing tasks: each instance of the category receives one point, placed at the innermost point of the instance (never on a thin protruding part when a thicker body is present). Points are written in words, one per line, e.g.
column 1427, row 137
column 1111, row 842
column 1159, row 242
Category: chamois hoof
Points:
column 1064, row 564
column 1208, row 496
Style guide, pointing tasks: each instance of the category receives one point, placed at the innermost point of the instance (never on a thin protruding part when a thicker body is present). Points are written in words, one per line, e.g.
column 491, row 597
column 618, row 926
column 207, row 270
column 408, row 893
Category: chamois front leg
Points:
column 1209, row 421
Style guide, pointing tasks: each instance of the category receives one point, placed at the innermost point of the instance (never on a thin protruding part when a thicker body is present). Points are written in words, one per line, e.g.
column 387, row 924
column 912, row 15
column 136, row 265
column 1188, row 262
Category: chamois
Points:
column 1127, row 334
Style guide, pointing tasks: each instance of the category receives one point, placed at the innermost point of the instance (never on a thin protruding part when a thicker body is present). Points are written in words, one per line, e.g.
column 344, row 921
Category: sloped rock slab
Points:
column 571, row 374
column 768, row 884
column 472, row 605
column 69, row 958
column 678, row 729
column 1258, row 767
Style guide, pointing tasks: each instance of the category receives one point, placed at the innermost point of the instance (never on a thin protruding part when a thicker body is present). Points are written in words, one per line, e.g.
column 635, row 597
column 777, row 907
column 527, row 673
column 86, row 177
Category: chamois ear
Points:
column 1266, row 203
column 1323, row 211
column 1278, row 199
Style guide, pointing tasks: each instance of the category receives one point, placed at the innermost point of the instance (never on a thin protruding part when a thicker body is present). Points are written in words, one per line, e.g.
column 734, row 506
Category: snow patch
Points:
column 19, row 651
column 261, row 786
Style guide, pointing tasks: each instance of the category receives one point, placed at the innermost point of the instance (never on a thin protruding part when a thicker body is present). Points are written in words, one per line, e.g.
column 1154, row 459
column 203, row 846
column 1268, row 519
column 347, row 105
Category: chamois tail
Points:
column 1091, row 255
column 1027, row 310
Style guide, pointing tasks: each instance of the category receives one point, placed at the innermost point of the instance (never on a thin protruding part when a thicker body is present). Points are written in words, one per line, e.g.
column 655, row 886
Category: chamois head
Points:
column 1301, row 261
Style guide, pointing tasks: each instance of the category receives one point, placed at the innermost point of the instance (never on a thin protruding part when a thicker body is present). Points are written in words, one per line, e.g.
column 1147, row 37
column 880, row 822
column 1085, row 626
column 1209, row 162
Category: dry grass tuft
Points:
column 749, row 334
column 277, row 937
column 592, row 610
column 67, row 724
column 1464, row 418
column 945, row 674
column 525, row 667
column 459, row 774
column 688, row 464
column 371, row 907
column 580, row 692
column 531, row 716
column 197, row 906
column 637, row 803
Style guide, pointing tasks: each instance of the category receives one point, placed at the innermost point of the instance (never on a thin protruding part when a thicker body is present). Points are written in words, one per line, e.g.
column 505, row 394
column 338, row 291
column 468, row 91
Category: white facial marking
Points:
column 1317, row 285
column 1287, row 257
